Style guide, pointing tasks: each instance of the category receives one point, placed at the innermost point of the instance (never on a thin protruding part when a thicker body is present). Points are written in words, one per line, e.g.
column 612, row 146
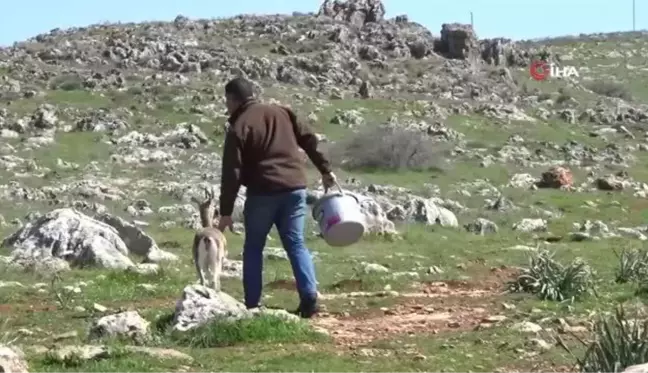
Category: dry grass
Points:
column 386, row 148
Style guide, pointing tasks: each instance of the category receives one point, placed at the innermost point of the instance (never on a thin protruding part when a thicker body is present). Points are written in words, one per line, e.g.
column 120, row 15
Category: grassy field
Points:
column 430, row 299
column 431, row 321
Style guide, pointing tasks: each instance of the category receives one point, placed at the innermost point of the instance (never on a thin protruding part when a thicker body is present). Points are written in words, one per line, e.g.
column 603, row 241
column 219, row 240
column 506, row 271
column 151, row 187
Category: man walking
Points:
column 261, row 151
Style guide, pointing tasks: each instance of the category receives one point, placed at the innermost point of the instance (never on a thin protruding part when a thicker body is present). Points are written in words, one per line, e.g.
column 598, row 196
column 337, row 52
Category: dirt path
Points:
column 401, row 320
column 436, row 307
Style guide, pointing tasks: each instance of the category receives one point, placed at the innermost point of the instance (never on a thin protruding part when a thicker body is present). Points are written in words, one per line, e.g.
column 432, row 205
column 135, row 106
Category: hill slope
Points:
column 458, row 150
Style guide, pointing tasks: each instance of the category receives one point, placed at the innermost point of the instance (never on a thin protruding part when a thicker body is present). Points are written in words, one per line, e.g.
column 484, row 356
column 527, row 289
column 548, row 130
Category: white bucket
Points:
column 340, row 219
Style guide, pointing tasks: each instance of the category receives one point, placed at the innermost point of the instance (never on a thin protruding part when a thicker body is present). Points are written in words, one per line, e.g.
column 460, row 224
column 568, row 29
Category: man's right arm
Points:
column 231, row 173
column 307, row 140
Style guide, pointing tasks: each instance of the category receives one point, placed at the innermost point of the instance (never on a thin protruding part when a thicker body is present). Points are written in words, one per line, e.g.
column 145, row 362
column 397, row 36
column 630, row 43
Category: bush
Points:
column 563, row 96
column 385, row 148
column 619, row 342
column 550, row 280
column 632, row 266
column 67, row 82
column 610, row 89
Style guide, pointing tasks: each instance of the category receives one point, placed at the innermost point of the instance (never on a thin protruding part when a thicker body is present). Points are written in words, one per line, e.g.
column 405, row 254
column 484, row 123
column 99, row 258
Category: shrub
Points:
column 632, row 266
column 619, row 343
column 7, row 337
column 67, row 82
column 550, row 280
column 563, row 96
column 386, row 148
column 610, row 89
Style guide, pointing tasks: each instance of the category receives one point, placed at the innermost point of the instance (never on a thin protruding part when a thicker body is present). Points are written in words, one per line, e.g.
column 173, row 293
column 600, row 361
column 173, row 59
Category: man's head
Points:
column 237, row 91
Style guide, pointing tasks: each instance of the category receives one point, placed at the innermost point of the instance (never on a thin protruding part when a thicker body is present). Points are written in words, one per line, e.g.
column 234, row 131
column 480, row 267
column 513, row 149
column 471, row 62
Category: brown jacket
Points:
column 261, row 151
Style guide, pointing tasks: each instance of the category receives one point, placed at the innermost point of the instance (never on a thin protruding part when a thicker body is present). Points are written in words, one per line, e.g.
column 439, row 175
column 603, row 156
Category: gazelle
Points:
column 210, row 245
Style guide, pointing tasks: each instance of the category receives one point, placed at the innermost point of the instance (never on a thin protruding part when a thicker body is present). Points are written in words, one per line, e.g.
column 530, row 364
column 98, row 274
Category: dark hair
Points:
column 239, row 89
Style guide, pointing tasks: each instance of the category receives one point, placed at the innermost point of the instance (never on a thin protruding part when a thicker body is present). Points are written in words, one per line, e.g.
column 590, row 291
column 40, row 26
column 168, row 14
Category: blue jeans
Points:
column 287, row 211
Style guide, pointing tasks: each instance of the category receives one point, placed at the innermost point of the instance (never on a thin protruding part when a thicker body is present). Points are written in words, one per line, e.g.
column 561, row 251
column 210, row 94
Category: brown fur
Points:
column 210, row 244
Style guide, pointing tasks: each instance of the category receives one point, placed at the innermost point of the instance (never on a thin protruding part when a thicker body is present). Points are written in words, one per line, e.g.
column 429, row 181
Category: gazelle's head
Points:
column 206, row 208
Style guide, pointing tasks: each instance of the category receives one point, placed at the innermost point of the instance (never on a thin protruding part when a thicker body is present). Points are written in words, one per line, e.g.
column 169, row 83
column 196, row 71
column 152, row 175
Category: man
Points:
column 261, row 151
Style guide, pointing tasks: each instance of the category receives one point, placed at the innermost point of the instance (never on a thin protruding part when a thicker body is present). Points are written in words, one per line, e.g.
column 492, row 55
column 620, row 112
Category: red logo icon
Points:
column 539, row 70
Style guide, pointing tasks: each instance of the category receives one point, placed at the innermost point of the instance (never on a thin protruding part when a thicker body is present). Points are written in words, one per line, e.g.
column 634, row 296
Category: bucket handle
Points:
column 337, row 185
column 339, row 188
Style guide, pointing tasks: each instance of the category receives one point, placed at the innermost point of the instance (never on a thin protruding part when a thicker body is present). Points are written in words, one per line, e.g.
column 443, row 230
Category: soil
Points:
column 281, row 285
column 400, row 320
column 436, row 307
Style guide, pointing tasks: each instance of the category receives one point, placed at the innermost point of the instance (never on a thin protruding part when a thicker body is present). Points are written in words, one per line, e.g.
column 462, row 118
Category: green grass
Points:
column 266, row 358
column 258, row 329
column 114, row 358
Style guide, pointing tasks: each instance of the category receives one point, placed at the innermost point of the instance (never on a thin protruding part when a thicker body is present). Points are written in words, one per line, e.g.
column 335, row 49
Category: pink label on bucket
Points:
column 332, row 221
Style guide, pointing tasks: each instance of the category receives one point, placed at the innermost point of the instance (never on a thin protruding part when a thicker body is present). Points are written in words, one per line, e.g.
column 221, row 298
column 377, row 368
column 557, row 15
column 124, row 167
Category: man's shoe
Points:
column 307, row 309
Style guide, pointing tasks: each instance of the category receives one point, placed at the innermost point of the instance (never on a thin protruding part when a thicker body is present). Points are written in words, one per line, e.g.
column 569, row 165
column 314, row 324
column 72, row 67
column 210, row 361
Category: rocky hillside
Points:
column 95, row 111
column 344, row 50
column 464, row 164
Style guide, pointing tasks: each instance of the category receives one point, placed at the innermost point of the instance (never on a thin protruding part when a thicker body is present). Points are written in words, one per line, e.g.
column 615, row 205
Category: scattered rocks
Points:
column 557, row 177
column 527, row 327
column 199, row 305
column 81, row 240
column 482, row 227
column 531, row 225
column 12, row 359
column 70, row 235
column 97, row 352
column 356, row 12
column 126, row 324
column 138, row 242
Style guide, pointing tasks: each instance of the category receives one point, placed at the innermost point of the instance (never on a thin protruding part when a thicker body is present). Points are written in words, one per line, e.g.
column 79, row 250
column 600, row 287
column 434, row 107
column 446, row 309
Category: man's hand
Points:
column 329, row 180
column 225, row 222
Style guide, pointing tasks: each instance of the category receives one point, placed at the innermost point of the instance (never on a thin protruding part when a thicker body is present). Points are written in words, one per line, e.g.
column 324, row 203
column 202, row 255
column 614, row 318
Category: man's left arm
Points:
column 231, row 172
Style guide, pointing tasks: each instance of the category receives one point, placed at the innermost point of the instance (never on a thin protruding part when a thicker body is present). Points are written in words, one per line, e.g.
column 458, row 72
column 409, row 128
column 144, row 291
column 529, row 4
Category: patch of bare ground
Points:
column 544, row 366
column 442, row 306
column 487, row 284
column 399, row 320
column 281, row 285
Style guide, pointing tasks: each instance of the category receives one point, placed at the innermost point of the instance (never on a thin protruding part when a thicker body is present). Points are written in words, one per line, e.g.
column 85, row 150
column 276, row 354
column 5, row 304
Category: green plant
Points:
column 387, row 148
column 67, row 82
column 544, row 96
column 632, row 265
column 63, row 298
column 7, row 337
column 563, row 96
column 73, row 359
column 610, row 89
column 619, row 343
column 550, row 280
